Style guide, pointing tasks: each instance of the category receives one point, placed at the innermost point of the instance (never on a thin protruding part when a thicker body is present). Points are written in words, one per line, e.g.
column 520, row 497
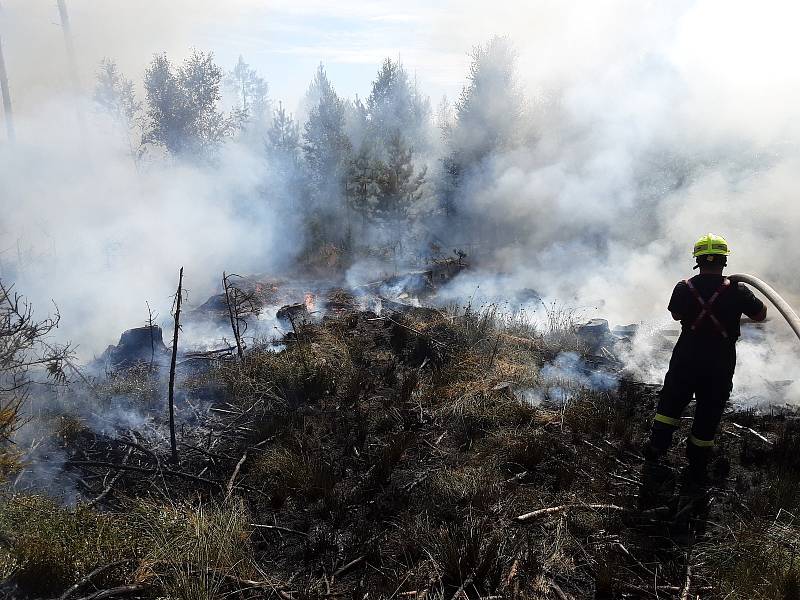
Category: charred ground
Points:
column 394, row 456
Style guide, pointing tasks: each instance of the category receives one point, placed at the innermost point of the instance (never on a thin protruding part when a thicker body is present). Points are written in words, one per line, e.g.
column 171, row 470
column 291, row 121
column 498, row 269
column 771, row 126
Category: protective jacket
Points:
column 704, row 358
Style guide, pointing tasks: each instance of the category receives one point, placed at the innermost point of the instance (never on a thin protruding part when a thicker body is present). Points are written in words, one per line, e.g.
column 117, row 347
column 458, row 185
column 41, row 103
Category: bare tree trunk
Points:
column 172, row 440
column 73, row 63
column 152, row 338
column 233, row 314
column 6, row 96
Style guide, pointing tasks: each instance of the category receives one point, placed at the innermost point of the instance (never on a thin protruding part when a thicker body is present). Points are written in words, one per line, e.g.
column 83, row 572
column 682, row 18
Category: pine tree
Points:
column 489, row 110
column 326, row 146
column 360, row 186
column 398, row 184
column 251, row 93
column 488, row 117
column 283, row 140
column 396, row 107
column 327, row 152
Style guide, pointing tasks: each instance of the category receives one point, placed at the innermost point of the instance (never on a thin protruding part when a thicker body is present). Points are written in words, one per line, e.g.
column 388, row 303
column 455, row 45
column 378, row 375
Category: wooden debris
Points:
column 345, row 568
column 122, row 590
column 751, row 431
column 86, row 579
column 229, row 487
column 554, row 510
column 279, row 528
column 113, row 481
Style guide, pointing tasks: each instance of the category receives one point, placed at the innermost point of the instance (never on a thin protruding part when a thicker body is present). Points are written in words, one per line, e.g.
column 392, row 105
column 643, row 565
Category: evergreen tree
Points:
column 444, row 117
column 283, row 180
column 357, row 122
column 283, row 147
column 113, row 93
column 326, row 152
column 182, row 106
column 283, row 136
column 488, row 117
column 360, row 186
column 399, row 185
column 396, row 107
column 326, row 146
column 251, row 93
column 489, row 110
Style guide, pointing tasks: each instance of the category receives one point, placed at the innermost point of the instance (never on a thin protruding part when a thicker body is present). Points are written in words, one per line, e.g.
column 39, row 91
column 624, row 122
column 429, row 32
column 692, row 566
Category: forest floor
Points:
column 401, row 456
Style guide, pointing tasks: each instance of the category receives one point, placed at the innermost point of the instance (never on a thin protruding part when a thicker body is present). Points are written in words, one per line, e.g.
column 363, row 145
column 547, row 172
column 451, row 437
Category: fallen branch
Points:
column 554, row 510
column 212, row 455
column 110, row 465
column 113, row 481
column 122, row 590
column 142, row 449
column 345, row 568
column 752, row 431
column 229, row 487
column 562, row 595
column 687, row 584
column 279, row 528
column 463, row 586
column 80, row 583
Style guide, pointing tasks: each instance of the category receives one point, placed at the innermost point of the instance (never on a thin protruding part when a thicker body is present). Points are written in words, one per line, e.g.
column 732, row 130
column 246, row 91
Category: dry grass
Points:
column 295, row 472
column 47, row 547
column 756, row 559
column 314, row 365
column 395, row 453
column 195, row 552
column 184, row 550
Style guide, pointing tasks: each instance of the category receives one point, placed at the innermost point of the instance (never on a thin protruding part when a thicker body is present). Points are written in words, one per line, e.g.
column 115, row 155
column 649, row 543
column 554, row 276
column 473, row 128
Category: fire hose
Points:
column 773, row 296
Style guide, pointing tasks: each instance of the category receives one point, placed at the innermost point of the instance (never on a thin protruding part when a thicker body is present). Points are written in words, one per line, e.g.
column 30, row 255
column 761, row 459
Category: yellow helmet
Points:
column 711, row 244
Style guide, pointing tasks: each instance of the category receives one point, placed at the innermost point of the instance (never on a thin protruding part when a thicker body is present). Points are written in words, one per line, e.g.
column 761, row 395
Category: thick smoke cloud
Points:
column 83, row 228
column 646, row 125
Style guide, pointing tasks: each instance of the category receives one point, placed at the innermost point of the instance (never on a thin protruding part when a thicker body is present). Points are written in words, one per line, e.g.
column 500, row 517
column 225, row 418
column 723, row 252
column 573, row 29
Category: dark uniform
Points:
column 703, row 360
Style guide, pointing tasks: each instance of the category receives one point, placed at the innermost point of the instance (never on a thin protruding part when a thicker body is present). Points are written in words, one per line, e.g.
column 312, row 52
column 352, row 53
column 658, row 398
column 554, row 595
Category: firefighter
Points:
column 709, row 308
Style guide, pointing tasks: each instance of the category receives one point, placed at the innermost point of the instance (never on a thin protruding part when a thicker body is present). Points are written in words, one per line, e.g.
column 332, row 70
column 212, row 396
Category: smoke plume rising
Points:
column 645, row 125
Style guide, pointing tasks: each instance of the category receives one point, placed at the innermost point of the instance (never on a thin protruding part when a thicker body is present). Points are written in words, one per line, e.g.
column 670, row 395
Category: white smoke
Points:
column 651, row 124
column 83, row 227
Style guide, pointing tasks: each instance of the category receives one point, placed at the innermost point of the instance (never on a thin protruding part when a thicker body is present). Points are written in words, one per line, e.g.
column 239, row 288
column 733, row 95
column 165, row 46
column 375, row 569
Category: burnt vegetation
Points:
column 394, row 456
column 403, row 454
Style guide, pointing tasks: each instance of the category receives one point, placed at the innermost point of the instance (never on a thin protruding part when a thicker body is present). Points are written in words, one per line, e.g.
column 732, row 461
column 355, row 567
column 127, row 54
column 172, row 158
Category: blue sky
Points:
column 731, row 55
column 284, row 41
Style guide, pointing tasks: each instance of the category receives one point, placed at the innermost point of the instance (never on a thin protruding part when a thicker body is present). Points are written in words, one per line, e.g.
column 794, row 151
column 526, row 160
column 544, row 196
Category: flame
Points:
column 309, row 300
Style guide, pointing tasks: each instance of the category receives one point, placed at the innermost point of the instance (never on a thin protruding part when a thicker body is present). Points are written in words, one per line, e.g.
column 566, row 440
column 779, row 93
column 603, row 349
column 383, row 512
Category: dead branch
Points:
column 229, row 487
column 122, row 590
column 279, row 528
column 172, row 439
column 751, row 431
column 110, row 465
column 86, row 579
column 554, row 510
column 142, row 449
column 687, row 584
column 463, row 585
column 562, row 595
column 113, row 481
column 234, row 318
column 345, row 568
column 212, row 455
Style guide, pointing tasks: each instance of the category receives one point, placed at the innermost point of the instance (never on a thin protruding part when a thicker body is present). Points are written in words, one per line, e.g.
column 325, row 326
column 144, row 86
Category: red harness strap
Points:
column 706, row 306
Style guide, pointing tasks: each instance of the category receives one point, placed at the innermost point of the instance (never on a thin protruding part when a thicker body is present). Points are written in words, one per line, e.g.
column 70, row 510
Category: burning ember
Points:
column 309, row 301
